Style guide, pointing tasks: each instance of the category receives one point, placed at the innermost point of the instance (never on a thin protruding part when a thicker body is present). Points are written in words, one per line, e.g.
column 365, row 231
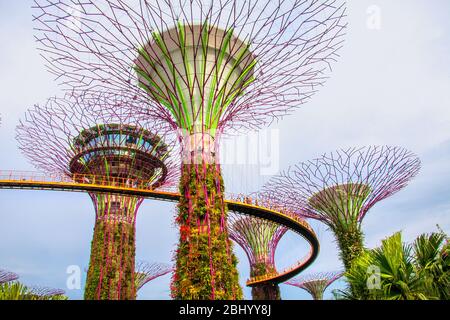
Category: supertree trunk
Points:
column 350, row 242
column 266, row 292
column 205, row 263
column 317, row 296
column 112, row 262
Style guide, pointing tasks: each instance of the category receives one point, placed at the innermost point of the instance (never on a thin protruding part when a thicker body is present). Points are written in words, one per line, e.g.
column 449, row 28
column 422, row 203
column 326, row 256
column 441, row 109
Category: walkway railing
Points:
column 93, row 183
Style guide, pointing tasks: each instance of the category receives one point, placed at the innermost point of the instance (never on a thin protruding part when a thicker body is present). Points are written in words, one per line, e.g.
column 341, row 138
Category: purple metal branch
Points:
column 56, row 124
column 45, row 292
column 7, row 276
column 259, row 238
column 93, row 45
column 315, row 283
column 146, row 272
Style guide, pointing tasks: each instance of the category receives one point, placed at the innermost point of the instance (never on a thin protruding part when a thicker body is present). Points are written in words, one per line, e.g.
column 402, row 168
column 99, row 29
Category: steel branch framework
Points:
column 61, row 124
column 315, row 283
column 45, row 292
column 7, row 276
column 342, row 186
column 259, row 239
column 146, row 272
column 285, row 46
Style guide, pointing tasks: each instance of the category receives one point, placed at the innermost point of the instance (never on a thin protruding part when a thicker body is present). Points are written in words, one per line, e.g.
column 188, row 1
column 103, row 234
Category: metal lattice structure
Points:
column 344, row 185
column 90, row 138
column 340, row 187
column 146, row 272
column 281, row 50
column 45, row 292
column 202, row 68
column 74, row 129
column 7, row 276
column 316, row 283
column 259, row 239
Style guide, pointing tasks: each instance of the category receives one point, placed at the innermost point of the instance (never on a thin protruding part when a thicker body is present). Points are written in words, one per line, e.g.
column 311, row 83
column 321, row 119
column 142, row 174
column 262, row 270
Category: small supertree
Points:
column 146, row 272
column 202, row 67
column 92, row 139
column 315, row 283
column 339, row 188
column 44, row 293
column 7, row 276
column 259, row 239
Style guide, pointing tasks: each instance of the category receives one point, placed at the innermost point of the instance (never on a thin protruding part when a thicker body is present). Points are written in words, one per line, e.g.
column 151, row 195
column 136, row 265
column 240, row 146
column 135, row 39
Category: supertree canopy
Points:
column 45, row 292
column 259, row 239
column 92, row 139
column 201, row 67
column 315, row 283
column 7, row 276
column 340, row 187
column 146, row 272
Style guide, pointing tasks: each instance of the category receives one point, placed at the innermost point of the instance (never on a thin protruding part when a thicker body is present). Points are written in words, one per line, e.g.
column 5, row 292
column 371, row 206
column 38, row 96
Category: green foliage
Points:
column 261, row 269
column 13, row 291
column 433, row 263
column 205, row 263
column 111, row 267
column 416, row 271
column 350, row 241
column 267, row 291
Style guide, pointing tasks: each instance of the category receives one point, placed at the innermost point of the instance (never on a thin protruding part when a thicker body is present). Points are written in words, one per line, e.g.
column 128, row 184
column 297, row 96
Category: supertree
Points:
column 91, row 138
column 259, row 239
column 204, row 68
column 315, row 283
column 44, row 292
column 146, row 272
column 340, row 187
column 7, row 276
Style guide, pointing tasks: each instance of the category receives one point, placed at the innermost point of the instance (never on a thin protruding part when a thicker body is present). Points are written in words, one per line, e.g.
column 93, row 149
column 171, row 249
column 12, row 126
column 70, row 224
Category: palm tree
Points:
column 399, row 271
column 13, row 291
column 431, row 253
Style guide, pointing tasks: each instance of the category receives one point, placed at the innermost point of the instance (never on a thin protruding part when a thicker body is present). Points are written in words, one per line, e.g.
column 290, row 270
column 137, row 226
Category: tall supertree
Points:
column 91, row 138
column 259, row 239
column 340, row 187
column 7, row 276
column 203, row 68
column 146, row 272
column 315, row 284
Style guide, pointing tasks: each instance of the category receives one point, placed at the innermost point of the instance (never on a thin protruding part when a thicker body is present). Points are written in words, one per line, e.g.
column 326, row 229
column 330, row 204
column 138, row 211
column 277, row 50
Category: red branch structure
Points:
column 315, row 283
column 146, row 272
column 203, row 69
column 340, row 187
column 92, row 137
column 7, row 276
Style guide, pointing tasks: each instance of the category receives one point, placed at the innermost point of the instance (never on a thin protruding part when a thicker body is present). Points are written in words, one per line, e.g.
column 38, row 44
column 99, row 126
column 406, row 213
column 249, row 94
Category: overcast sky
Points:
column 390, row 86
